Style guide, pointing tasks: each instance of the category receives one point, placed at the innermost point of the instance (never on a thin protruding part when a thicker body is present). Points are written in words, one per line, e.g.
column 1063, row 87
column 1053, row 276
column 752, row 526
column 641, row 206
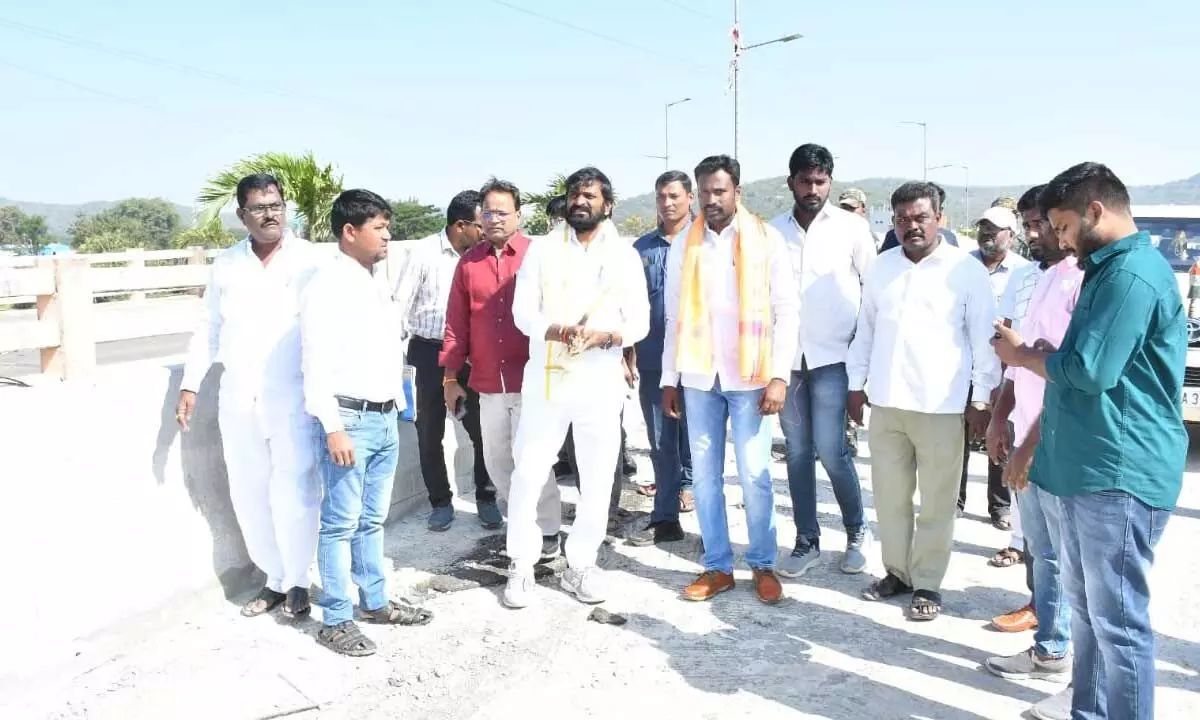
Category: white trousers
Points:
column 499, row 417
column 596, row 420
column 270, row 459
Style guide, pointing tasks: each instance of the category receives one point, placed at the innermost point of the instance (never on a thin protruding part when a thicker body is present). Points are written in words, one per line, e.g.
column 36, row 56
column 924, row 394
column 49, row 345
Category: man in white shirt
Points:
column 831, row 251
column 921, row 348
column 350, row 334
column 250, row 324
column 580, row 299
column 731, row 327
column 996, row 231
column 423, row 293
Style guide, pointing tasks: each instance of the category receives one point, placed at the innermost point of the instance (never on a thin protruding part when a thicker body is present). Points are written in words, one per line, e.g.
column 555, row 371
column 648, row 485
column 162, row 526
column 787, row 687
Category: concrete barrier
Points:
column 111, row 512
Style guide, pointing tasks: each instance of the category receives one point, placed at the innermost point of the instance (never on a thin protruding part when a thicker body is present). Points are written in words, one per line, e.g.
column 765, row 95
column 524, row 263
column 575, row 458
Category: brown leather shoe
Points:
column 710, row 584
column 1016, row 621
column 766, row 586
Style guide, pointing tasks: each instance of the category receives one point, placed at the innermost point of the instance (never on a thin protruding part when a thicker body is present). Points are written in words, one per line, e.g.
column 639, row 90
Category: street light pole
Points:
column 738, row 50
column 667, row 131
column 966, row 187
column 924, row 145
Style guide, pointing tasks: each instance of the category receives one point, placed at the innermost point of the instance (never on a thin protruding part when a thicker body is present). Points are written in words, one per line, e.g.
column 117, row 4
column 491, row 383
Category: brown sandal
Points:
column 1007, row 558
column 264, row 602
column 647, row 490
column 399, row 614
column 687, row 501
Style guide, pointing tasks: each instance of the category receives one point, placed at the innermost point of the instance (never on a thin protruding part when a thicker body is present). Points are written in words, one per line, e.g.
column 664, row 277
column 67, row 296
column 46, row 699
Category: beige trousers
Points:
column 499, row 416
column 911, row 452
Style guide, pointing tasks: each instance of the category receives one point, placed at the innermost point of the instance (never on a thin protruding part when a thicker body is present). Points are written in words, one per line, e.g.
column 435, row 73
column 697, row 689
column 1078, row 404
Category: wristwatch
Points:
column 608, row 342
column 980, row 405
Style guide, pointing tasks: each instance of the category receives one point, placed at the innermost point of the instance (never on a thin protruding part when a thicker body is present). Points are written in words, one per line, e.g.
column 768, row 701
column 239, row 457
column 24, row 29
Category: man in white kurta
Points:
column 580, row 297
column 250, row 324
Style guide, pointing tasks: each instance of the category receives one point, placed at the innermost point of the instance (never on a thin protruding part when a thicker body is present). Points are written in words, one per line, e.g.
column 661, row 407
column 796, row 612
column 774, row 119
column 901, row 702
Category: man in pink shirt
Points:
column 1049, row 314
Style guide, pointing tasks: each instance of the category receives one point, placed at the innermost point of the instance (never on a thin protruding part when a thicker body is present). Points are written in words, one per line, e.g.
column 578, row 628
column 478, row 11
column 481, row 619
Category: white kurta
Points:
column 559, row 282
column 250, row 324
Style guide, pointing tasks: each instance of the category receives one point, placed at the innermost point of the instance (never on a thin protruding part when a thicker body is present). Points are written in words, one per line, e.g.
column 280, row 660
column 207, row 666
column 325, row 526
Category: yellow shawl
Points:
column 751, row 252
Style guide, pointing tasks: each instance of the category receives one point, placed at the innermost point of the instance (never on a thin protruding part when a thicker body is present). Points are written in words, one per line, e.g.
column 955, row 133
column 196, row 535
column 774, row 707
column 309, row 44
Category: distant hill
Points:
column 770, row 197
column 59, row 216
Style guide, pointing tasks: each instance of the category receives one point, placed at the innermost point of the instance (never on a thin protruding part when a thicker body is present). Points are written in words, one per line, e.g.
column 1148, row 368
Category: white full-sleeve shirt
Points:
column 924, row 331
column 250, row 323
column 720, row 289
column 603, row 278
column 830, row 260
column 350, row 334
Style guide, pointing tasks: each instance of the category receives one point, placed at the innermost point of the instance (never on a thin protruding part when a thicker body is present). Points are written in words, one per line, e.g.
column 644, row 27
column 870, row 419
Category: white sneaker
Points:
column 585, row 584
column 518, row 593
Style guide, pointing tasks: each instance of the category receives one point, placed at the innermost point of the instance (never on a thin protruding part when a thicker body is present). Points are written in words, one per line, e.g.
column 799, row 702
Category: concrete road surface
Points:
column 28, row 362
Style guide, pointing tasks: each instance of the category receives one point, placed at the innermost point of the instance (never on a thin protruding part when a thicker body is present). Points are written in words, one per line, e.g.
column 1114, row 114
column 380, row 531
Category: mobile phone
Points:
column 460, row 409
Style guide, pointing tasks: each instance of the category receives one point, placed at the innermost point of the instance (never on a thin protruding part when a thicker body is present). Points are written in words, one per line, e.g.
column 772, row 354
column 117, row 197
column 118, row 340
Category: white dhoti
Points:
column 499, row 418
column 271, row 460
column 594, row 410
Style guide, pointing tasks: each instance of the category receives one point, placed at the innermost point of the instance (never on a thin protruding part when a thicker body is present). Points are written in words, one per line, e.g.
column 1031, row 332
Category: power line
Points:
column 85, row 88
column 593, row 33
column 693, row 11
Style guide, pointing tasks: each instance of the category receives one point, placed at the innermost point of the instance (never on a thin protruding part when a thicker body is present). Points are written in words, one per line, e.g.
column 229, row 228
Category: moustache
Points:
column 914, row 235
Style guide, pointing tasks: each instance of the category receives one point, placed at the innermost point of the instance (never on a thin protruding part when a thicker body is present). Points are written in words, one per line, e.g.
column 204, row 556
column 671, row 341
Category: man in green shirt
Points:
column 1113, row 444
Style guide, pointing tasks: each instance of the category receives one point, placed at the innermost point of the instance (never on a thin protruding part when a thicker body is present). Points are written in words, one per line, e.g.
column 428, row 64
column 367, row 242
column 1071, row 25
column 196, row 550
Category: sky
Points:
column 423, row 99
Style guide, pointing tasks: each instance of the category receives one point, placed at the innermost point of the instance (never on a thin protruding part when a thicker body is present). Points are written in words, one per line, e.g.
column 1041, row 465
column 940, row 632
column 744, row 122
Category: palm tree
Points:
column 310, row 188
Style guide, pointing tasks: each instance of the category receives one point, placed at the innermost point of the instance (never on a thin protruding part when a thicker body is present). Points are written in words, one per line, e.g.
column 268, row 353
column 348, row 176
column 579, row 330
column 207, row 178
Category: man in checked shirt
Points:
column 423, row 292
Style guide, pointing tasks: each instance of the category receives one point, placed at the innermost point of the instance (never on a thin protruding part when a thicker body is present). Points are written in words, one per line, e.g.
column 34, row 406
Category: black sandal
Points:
column 346, row 639
column 297, row 604
column 925, row 606
column 264, row 602
column 889, row 586
column 399, row 614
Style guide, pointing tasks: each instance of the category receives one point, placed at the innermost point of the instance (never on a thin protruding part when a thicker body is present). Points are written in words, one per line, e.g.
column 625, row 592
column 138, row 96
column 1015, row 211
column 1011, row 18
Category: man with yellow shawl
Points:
column 580, row 297
column 732, row 326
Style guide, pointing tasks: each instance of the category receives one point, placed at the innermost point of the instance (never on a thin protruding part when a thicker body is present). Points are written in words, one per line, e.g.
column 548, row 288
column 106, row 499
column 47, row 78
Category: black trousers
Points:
column 431, row 425
column 999, row 500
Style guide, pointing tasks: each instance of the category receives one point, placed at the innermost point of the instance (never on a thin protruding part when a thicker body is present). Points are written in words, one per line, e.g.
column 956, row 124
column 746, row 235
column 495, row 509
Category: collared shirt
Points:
column 717, row 273
column 1003, row 272
column 891, row 241
column 1112, row 418
column 653, row 248
column 424, row 286
column 251, row 325
column 350, row 332
column 829, row 262
column 602, row 281
column 1014, row 303
column 1050, row 309
column 479, row 318
column 924, row 332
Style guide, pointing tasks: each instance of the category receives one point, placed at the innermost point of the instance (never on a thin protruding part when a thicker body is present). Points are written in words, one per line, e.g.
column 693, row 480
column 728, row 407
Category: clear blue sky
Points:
column 427, row 98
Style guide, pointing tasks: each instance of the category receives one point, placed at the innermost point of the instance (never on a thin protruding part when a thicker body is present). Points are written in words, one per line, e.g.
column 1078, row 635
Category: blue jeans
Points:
column 707, row 411
column 1108, row 541
column 814, row 425
column 1041, row 521
column 353, row 510
column 669, row 451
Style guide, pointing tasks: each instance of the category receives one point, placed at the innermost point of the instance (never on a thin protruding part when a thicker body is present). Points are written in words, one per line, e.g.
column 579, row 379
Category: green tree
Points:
column 309, row 187
column 533, row 205
column 207, row 235
column 109, row 240
column 635, row 226
column 149, row 223
column 26, row 233
column 411, row 219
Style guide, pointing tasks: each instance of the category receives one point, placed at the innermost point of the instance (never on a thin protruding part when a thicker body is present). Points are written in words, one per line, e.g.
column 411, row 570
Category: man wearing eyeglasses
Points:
column 480, row 331
column 250, row 324
column 422, row 293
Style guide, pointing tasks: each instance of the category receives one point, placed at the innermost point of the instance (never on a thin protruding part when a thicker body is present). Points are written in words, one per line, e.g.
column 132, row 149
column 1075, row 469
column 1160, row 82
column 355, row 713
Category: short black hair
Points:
column 357, row 207
column 463, row 206
column 671, row 176
column 716, row 163
column 257, row 181
column 913, row 191
column 556, row 207
column 1078, row 186
column 810, row 156
column 500, row 186
column 1029, row 200
column 588, row 175
column 941, row 191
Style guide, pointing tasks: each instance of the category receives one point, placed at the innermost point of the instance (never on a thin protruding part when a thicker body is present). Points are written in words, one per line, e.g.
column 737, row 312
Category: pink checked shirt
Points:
column 1050, row 310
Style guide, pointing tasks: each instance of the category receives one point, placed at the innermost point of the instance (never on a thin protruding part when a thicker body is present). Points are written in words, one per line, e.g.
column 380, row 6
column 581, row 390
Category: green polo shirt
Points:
column 1112, row 416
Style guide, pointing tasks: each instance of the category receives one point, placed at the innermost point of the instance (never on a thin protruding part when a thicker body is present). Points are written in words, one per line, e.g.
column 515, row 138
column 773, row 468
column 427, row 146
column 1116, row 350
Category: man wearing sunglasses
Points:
column 422, row 292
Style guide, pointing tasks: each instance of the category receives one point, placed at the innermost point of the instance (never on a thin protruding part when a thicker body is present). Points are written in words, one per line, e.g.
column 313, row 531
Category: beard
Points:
column 1037, row 253
column 1088, row 240
column 584, row 223
column 811, row 203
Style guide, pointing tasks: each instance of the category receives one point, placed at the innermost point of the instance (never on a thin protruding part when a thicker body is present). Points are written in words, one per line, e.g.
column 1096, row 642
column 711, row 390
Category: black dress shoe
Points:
column 657, row 533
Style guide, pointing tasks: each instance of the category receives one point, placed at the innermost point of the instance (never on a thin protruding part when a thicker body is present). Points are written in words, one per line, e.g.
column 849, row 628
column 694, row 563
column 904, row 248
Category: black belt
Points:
column 427, row 341
column 365, row 405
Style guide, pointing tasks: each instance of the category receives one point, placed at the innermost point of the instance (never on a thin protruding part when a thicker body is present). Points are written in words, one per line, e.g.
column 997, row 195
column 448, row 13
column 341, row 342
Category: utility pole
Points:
column 924, row 146
column 738, row 50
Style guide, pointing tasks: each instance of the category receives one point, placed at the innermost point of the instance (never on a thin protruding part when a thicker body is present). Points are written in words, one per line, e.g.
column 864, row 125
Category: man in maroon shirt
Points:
column 480, row 331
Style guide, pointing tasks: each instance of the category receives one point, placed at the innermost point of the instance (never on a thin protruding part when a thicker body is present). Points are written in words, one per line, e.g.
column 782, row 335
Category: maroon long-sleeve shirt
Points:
column 479, row 320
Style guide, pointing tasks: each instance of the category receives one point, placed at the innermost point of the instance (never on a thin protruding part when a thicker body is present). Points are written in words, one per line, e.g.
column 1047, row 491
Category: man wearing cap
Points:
column 854, row 200
column 995, row 231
